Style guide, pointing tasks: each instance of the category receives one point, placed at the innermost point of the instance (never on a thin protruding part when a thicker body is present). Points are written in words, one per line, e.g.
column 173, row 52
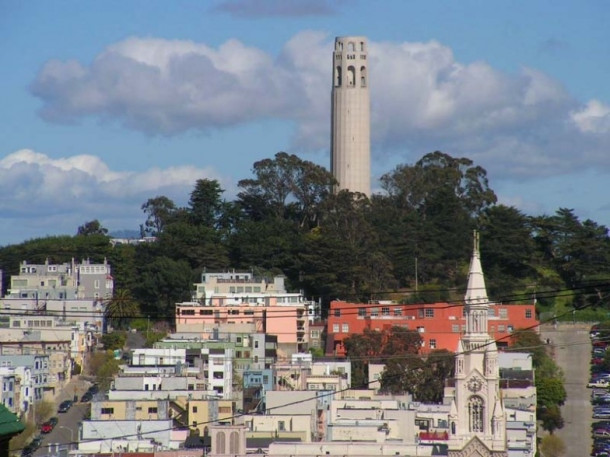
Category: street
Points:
column 66, row 431
column 571, row 347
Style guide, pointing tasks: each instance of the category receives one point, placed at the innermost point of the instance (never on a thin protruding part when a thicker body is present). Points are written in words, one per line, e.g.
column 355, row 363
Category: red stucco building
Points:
column 440, row 324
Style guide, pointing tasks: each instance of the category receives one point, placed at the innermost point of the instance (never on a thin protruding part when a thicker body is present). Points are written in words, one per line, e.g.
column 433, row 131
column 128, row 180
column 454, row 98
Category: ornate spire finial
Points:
column 475, row 240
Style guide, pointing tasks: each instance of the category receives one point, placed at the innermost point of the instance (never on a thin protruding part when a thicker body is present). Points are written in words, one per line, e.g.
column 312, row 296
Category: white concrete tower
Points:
column 350, row 152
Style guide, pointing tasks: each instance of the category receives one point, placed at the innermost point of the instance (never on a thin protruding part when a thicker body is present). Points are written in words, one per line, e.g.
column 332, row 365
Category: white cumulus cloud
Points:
column 423, row 99
column 594, row 117
column 63, row 193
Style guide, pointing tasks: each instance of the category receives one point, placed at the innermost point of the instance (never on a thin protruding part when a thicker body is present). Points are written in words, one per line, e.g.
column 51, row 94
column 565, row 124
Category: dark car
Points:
column 36, row 442
column 65, row 406
column 94, row 389
column 87, row 396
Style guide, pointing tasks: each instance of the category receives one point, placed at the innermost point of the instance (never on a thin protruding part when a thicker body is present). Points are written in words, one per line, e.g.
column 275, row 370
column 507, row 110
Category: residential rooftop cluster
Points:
column 236, row 375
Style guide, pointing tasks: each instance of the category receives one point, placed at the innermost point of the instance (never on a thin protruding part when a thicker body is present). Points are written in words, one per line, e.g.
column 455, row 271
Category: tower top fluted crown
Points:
column 347, row 44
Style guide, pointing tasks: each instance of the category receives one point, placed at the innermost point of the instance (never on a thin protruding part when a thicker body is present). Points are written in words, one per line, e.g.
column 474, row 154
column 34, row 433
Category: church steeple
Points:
column 477, row 416
column 476, row 302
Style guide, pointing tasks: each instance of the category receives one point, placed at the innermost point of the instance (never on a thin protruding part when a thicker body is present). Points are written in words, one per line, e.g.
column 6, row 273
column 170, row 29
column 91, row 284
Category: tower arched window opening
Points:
column 351, row 47
column 362, row 76
column 476, row 408
column 338, row 76
column 351, row 76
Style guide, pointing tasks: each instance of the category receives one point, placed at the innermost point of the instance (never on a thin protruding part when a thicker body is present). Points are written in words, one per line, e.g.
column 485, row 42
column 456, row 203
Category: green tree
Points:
column 373, row 346
column 153, row 337
column 107, row 371
column 507, row 249
column 205, row 202
column 121, row 308
column 423, row 377
column 579, row 251
column 552, row 446
column 343, row 256
column 164, row 282
column 159, row 211
column 550, row 392
column 114, row 340
column 413, row 185
column 93, row 227
column 199, row 245
column 43, row 410
column 123, row 260
column 438, row 198
column 285, row 187
column 528, row 340
column 551, row 418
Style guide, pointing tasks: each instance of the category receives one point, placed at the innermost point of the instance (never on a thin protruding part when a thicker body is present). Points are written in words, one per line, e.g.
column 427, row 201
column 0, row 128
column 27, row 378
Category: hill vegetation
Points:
column 410, row 243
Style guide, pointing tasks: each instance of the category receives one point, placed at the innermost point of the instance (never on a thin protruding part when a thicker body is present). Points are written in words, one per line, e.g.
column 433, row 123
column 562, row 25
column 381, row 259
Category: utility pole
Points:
column 416, row 279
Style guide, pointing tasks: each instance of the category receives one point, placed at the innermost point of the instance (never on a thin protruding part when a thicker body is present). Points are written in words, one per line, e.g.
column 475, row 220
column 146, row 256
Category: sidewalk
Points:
column 77, row 386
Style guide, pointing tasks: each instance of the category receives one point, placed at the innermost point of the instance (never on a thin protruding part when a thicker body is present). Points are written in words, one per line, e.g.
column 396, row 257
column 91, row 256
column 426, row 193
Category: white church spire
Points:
column 476, row 292
column 475, row 301
column 477, row 426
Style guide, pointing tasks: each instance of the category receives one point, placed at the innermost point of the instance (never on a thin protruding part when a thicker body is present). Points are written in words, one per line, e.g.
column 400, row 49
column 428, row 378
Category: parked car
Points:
column 36, row 442
column 94, row 389
column 48, row 426
column 601, row 433
column 87, row 397
column 599, row 383
column 65, row 406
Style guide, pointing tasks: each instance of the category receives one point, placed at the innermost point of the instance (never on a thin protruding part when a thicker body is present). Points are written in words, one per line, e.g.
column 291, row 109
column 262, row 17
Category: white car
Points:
column 599, row 383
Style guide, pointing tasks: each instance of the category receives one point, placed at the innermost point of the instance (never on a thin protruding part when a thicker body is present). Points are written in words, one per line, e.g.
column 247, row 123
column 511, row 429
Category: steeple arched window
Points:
column 338, row 76
column 476, row 408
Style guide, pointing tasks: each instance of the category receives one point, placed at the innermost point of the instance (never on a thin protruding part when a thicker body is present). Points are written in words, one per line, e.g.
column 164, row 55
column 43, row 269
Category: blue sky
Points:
column 107, row 104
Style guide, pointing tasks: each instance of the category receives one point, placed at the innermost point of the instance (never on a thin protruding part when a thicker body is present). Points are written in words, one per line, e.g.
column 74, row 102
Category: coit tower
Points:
column 350, row 116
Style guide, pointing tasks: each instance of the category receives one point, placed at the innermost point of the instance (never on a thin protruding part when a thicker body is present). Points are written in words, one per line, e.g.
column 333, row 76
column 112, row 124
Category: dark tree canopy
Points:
column 205, row 203
column 93, row 227
column 413, row 186
column 159, row 212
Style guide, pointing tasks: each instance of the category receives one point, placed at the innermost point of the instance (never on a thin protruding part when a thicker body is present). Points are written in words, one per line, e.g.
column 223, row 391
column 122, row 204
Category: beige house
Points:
column 201, row 413
column 117, row 410
column 280, row 426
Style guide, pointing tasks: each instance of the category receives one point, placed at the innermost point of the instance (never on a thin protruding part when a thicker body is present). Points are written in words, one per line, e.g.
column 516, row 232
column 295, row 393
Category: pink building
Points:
column 283, row 315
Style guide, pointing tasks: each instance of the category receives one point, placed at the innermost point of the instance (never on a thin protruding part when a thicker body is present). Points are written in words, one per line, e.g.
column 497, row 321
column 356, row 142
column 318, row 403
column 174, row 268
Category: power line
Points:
column 276, row 311
column 329, row 393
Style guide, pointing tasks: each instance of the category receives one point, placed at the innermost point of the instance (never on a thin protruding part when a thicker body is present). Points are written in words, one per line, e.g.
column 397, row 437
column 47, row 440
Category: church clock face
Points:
column 474, row 384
